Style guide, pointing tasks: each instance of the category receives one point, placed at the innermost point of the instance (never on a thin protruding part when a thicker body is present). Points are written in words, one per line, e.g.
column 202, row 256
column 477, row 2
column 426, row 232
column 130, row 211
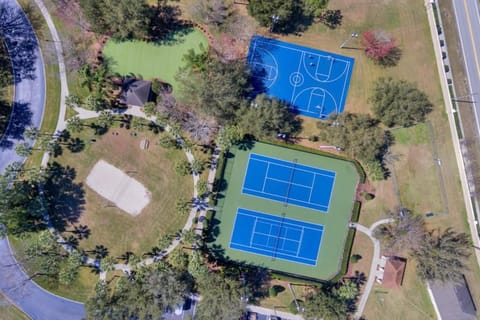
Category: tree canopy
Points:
column 265, row 117
column 324, row 305
column 399, row 102
column 357, row 134
column 442, row 255
column 381, row 47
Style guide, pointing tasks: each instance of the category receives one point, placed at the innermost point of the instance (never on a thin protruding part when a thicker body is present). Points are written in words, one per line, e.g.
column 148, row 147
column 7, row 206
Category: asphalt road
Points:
column 29, row 78
column 468, row 25
column 28, row 108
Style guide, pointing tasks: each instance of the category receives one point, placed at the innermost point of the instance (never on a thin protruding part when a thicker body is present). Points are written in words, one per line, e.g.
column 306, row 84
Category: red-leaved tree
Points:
column 381, row 47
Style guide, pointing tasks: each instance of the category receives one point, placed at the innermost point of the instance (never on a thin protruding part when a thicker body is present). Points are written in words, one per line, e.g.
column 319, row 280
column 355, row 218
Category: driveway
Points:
column 28, row 108
column 29, row 79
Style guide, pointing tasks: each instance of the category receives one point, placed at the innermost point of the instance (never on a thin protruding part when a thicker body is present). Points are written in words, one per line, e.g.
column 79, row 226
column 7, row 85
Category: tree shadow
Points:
column 64, row 197
column 20, row 40
column 75, row 145
column 21, row 118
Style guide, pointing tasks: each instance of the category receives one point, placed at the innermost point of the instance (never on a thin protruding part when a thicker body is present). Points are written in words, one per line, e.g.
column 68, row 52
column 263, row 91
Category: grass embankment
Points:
column 9, row 312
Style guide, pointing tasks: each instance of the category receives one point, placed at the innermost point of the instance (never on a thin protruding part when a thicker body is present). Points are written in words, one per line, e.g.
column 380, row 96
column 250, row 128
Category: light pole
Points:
column 275, row 19
column 353, row 35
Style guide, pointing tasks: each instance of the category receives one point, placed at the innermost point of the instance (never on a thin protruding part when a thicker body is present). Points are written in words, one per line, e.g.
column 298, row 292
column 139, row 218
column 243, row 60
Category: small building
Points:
column 453, row 301
column 135, row 92
column 393, row 273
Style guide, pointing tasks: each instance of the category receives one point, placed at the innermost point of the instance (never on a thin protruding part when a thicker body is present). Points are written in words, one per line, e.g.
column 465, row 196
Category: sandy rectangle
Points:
column 116, row 186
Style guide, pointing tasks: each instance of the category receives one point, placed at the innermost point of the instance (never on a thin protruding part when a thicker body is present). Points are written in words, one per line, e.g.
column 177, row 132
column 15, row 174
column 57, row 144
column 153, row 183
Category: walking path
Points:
column 376, row 260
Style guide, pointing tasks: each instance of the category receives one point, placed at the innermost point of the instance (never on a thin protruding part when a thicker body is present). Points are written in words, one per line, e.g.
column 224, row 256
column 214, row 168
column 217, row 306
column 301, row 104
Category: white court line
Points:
column 265, row 177
column 330, row 60
column 290, row 183
column 268, row 254
column 322, row 99
column 311, row 190
column 300, row 225
column 301, row 238
column 253, row 230
column 298, row 169
column 297, row 164
column 298, row 71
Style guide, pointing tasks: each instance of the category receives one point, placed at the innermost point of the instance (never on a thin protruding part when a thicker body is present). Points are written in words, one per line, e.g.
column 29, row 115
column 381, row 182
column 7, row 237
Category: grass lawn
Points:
column 152, row 60
column 6, row 93
column 110, row 226
column 78, row 290
column 9, row 311
column 335, row 219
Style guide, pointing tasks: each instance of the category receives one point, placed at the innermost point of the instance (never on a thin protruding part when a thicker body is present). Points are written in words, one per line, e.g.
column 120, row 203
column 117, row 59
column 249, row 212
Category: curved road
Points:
column 28, row 108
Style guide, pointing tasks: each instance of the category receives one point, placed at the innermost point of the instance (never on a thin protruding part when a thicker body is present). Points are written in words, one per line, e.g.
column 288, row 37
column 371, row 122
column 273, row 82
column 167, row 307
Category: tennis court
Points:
column 276, row 237
column 314, row 82
column 288, row 182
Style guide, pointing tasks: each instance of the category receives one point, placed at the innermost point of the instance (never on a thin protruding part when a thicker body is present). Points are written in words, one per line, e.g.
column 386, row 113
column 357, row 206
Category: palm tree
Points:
column 31, row 133
column 81, row 231
column 100, row 251
column 74, row 124
column 105, row 119
column 137, row 124
column 183, row 206
column 23, row 149
column 197, row 166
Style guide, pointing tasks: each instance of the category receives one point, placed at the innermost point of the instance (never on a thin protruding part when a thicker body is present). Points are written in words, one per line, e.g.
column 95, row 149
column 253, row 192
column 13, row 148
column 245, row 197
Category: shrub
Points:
column 272, row 292
column 292, row 307
column 313, row 138
column 355, row 258
column 369, row 196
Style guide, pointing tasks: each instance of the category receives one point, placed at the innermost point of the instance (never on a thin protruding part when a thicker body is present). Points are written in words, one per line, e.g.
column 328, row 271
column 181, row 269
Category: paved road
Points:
column 29, row 78
column 468, row 25
column 28, row 108
column 33, row 300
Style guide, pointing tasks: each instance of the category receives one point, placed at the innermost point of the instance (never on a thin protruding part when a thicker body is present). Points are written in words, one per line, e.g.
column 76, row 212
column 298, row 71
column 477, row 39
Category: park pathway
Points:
column 375, row 262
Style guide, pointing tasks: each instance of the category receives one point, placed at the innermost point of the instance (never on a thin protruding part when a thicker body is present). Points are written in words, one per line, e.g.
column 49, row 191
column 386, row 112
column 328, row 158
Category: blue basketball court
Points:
column 276, row 237
column 288, row 182
column 314, row 82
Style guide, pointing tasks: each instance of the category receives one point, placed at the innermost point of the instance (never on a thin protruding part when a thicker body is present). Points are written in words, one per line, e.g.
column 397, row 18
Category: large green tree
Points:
column 289, row 13
column 218, row 90
column 123, row 18
column 221, row 298
column 357, row 134
column 442, row 255
column 323, row 305
column 266, row 117
column 399, row 102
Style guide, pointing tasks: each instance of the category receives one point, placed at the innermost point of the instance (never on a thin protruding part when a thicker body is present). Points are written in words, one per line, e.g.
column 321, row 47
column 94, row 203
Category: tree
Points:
column 289, row 12
column 212, row 12
column 399, row 102
column 137, row 124
column 404, row 233
column 228, row 136
column 347, row 291
column 100, row 251
column 443, row 255
column 221, row 298
column 74, row 124
column 31, row 133
column 178, row 259
column 69, row 271
column 150, row 109
column 202, row 187
column 105, row 119
column 23, row 149
column 73, row 101
column 218, row 91
column 125, row 19
column 182, row 168
column 197, row 166
column 381, row 47
column 266, row 117
column 168, row 142
column 183, row 206
column 324, row 305
column 108, row 264
column 189, row 237
column 44, row 252
column 331, row 18
column 357, row 134
column 314, row 7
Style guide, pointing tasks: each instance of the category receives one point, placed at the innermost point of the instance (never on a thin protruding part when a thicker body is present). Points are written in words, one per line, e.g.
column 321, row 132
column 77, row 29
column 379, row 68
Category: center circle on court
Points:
column 296, row 79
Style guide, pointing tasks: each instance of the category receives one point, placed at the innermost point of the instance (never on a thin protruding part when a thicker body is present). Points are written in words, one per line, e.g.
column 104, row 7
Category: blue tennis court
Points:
column 288, row 182
column 276, row 237
column 314, row 82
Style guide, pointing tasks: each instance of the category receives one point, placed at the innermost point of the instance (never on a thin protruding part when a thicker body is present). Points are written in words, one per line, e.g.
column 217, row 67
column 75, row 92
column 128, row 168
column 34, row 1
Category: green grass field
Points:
column 152, row 60
column 335, row 221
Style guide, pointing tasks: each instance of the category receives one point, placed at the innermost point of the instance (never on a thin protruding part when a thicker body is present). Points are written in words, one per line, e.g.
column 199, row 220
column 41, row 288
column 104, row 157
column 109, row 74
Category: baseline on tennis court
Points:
column 276, row 237
column 288, row 182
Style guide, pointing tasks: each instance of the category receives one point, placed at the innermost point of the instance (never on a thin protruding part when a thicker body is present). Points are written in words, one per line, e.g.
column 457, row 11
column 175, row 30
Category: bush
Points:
column 292, row 307
column 313, row 138
column 272, row 292
column 369, row 196
column 355, row 258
